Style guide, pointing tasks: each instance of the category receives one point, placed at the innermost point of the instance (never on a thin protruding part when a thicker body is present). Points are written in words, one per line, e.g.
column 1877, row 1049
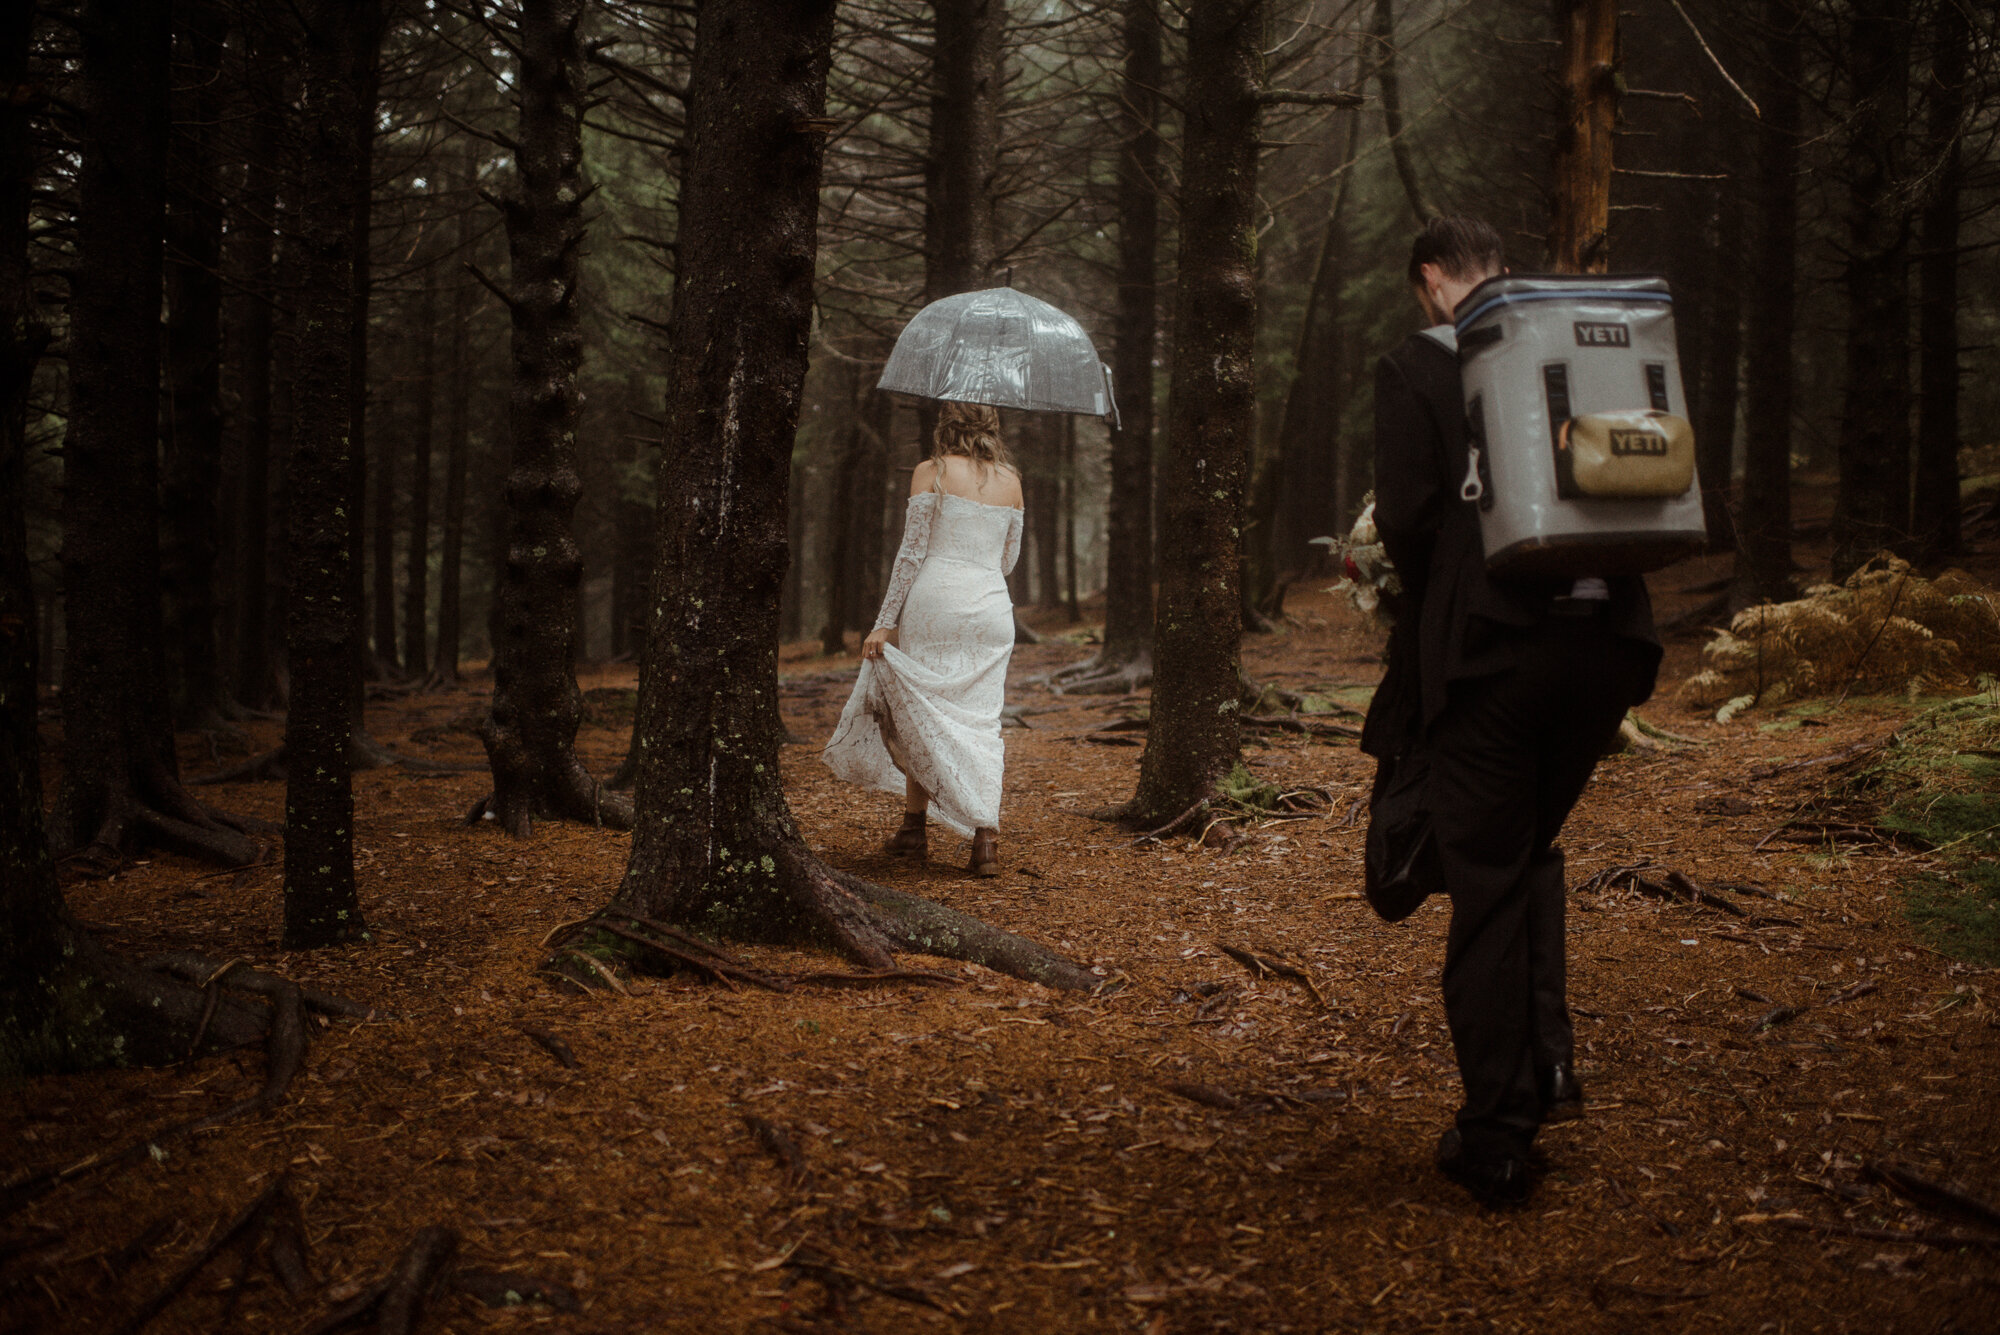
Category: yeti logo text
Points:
column 1590, row 334
column 1642, row 444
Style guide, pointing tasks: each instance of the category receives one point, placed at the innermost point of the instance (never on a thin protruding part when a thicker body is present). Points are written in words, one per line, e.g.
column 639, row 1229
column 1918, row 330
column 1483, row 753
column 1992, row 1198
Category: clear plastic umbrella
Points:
column 1000, row 347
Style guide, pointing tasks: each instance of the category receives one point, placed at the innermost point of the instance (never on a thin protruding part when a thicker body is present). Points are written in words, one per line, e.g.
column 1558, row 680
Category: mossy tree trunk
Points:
column 1194, row 739
column 715, row 846
column 530, row 726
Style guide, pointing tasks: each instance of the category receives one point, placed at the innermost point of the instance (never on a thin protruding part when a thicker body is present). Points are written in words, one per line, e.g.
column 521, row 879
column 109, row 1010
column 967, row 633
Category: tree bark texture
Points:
column 1935, row 514
column 423, row 396
column 121, row 779
column 365, row 73
column 1871, row 509
column 1383, row 30
column 632, row 525
column 1764, row 527
column 1194, row 738
column 457, row 446
column 191, row 454
column 1127, row 652
column 1579, row 238
column 530, row 726
column 715, row 845
column 966, row 81
column 322, row 625
column 250, row 259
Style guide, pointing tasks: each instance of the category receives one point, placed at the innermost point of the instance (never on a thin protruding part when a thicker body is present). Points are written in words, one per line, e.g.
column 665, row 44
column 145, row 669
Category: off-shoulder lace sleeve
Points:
column 909, row 557
column 1012, row 551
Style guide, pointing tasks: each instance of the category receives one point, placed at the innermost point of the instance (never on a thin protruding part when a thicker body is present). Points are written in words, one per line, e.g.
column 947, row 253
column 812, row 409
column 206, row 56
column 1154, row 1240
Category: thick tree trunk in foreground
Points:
column 121, row 779
column 321, row 905
column 191, row 458
column 1935, row 513
column 1194, row 739
column 1125, row 661
column 714, row 845
column 530, row 727
column 1871, row 510
column 1579, row 241
column 1764, row 528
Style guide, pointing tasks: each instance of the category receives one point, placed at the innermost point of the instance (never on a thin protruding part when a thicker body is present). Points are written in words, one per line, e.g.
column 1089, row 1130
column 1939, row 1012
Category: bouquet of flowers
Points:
column 1370, row 576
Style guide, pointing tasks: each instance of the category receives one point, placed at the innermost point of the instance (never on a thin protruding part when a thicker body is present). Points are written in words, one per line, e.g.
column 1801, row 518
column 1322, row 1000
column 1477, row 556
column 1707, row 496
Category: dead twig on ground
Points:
column 248, row 1216
column 1933, row 1196
column 778, row 1143
column 550, row 1044
column 1272, row 964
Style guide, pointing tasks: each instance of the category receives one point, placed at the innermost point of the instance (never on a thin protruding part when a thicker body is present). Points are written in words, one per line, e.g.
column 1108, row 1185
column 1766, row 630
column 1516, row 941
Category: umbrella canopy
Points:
column 1004, row 348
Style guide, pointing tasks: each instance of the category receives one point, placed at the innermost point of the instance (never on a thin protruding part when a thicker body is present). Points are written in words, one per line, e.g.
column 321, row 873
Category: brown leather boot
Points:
column 985, row 854
column 912, row 840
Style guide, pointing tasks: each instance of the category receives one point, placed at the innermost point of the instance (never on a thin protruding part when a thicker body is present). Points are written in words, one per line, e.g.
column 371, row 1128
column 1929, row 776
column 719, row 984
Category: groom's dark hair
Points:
column 1462, row 247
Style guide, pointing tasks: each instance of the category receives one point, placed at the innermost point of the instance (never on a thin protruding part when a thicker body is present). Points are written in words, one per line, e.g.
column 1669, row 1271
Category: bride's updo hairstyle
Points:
column 971, row 430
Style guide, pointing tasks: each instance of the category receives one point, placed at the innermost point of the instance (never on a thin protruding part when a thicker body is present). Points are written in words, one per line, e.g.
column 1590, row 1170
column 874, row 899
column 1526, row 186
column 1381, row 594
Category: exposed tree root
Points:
column 248, row 1225
column 578, row 797
column 142, row 1016
column 1096, row 676
column 398, row 1300
column 166, row 815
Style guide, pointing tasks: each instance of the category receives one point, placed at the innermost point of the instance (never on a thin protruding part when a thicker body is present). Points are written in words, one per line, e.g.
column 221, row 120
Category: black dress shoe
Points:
column 1562, row 1094
column 1498, row 1181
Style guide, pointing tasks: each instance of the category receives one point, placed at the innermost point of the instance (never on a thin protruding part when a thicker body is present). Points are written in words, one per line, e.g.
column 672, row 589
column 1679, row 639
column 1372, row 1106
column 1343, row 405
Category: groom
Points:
column 1516, row 688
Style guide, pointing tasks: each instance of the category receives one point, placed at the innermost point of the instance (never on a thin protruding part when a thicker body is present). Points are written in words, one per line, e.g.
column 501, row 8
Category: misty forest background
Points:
column 1460, row 114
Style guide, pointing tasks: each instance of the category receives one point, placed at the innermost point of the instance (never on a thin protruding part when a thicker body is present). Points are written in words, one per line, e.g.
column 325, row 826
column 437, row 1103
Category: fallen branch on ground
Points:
column 1270, row 964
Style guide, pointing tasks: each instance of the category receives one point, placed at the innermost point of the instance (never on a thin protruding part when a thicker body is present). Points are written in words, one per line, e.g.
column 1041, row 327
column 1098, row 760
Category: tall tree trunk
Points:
column 365, row 73
column 1042, row 487
column 322, row 627
column 1722, row 355
column 1579, row 238
column 872, row 500
column 1125, row 661
column 842, row 556
column 631, row 520
column 715, row 845
column 1935, row 515
column 1872, row 507
column 1383, row 30
column 1194, row 738
column 417, row 571
column 964, row 146
column 191, row 458
column 382, row 544
column 457, row 441
column 1764, row 528
column 1309, row 435
column 1070, row 481
column 250, row 259
column 530, row 727
column 121, row 778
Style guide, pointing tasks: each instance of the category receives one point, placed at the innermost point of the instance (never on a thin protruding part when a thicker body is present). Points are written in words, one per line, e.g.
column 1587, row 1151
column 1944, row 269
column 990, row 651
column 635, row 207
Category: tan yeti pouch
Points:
column 1630, row 455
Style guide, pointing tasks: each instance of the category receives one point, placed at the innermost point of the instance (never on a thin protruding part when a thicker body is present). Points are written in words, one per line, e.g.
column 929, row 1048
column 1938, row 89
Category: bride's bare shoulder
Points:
column 924, row 477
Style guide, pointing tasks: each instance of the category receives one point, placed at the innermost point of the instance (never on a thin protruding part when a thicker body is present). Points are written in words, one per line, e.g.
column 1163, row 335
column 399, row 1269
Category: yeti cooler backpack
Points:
column 1580, row 456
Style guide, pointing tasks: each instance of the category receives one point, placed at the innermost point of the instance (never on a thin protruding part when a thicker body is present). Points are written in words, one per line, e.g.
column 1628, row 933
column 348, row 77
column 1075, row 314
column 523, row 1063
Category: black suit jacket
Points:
column 1456, row 621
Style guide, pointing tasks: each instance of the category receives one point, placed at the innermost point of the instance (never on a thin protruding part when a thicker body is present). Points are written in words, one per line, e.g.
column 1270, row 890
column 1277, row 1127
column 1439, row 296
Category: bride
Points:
column 924, row 719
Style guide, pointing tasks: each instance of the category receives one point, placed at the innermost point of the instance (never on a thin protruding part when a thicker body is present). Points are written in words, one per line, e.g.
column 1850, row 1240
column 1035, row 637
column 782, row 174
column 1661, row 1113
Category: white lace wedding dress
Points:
column 937, row 692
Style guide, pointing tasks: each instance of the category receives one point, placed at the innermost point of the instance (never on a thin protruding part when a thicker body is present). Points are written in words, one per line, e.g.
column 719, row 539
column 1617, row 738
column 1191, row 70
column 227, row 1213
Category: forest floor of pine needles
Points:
column 993, row 1156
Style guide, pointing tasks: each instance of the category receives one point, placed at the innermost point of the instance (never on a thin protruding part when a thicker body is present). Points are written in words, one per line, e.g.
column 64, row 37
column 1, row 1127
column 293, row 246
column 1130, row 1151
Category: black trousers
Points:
column 1510, row 755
